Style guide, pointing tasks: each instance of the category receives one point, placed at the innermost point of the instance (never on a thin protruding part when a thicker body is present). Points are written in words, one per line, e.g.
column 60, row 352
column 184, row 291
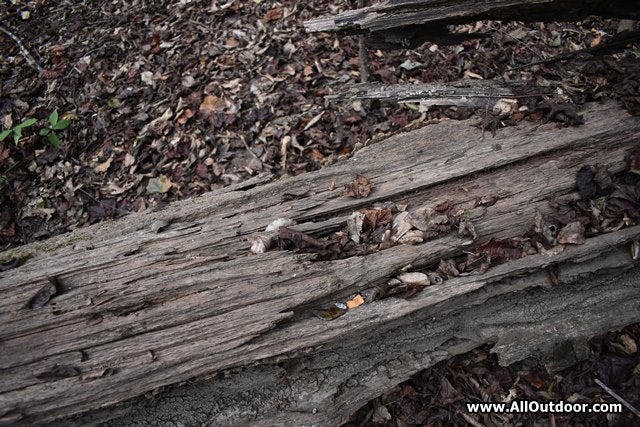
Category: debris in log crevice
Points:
column 548, row 235
column 370, row 230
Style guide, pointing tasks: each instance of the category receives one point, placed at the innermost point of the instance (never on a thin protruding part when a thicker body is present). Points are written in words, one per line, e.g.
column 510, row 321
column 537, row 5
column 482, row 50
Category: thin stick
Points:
column 618, row 398
column 23, row 49
column 244, row 141
column 363, row 53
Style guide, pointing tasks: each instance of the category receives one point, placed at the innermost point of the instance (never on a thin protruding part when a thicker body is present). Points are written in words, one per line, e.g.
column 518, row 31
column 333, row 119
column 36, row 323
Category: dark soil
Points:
column 170, row 99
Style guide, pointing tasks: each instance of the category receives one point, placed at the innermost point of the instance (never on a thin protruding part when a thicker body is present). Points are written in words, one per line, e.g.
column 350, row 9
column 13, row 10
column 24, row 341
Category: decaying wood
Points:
column 138, row 310
column 464, row 93
column 403, row 24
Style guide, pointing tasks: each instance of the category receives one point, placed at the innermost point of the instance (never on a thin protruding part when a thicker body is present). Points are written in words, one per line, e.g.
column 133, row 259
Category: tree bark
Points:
column 136, row 311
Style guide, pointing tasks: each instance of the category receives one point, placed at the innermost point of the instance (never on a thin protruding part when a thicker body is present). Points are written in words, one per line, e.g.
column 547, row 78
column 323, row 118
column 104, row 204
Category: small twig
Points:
column 244, row 141
column 23, row 49
column 616, row 396
column 363, row 56
column 363, row 53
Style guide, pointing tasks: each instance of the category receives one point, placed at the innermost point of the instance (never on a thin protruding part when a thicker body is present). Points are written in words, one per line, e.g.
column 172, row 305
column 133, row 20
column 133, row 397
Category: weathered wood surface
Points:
column 323, row 387
column 409, row 23
column 143, row 310
column 463, row 93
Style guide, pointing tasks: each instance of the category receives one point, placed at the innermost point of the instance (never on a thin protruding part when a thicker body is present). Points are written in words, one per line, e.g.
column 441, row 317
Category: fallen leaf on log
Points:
column 572, row 233
column 359, row 188
column 501, row 250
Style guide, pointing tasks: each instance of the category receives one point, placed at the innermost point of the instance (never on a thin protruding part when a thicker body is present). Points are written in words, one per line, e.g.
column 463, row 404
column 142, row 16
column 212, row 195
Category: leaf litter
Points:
column 207, row 94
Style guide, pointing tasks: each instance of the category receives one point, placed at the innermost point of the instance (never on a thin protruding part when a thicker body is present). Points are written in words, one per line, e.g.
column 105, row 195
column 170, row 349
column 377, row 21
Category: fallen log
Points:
column 395, row 24
column 131, row 310
column 463, row 93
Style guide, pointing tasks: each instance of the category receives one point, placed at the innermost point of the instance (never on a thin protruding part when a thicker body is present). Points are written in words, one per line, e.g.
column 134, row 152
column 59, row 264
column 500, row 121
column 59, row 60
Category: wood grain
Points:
column 142, row 310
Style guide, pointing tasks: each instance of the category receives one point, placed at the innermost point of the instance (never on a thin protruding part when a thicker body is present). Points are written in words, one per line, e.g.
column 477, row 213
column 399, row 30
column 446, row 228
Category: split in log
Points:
column 396, row 24
column 135, row 310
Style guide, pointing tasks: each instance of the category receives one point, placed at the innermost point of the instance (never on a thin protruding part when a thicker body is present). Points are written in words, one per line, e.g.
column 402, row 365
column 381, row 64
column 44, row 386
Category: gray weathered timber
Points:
column 463, row 93
column 325, row 385
column 409, row 23
column 142, row 310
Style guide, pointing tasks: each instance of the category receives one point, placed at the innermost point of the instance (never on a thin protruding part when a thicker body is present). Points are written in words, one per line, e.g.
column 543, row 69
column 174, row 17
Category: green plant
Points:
column 17, row 130
column 56, row 124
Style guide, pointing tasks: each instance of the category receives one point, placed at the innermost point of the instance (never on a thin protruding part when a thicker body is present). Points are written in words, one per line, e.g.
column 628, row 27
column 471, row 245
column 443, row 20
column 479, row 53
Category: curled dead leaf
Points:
column 415, row 278
column 572, row 233
column 104, row 166
column 411, row 237
column 260, row 243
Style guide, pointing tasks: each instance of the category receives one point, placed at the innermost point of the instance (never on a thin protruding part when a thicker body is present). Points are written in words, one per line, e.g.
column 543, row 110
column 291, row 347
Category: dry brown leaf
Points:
column 359, row 188
column 273, row 14
column 211, row 104
column 102, row 167
column 185, row 116
column 231, row 42
column 572, row 233
column 376, row 217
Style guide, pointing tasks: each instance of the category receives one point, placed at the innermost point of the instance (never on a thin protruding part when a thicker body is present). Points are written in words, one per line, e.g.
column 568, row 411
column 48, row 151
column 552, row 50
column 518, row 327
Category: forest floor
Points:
column 167, row 100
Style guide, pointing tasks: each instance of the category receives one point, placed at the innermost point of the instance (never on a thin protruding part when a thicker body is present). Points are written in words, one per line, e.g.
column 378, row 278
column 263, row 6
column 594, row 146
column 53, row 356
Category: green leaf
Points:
column 27, row 123
column 5, row 133
column 113, row 103
column 53, row 139
column 62, row 124
column 44, row 131
column 53, row 118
